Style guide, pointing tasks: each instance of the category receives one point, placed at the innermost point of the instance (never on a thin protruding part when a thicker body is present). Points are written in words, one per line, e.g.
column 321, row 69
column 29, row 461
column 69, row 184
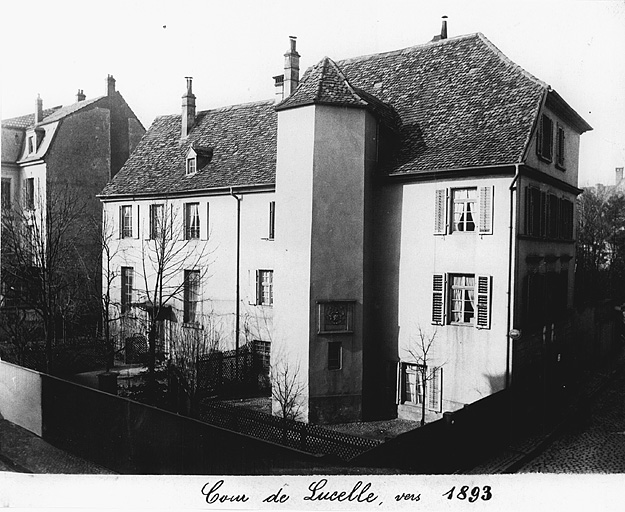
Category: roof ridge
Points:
column 399, row 51
column 350, row 88
column 506, row 60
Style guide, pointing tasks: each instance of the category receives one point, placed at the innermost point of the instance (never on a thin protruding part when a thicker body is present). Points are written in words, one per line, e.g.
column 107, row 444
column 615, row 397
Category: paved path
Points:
column 594, row 442
column 23, row 452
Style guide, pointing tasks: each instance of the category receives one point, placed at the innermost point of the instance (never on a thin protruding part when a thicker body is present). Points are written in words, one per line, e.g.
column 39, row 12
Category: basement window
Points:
column 335, row 355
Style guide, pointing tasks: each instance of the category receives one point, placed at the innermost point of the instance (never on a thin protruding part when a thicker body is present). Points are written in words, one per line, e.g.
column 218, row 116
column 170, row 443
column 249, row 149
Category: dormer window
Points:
column 191, row 165
column 31, row 144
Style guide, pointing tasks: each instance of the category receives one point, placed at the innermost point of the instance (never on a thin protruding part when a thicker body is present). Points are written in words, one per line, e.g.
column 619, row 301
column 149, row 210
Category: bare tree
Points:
column 41, row 268
column 287, row 389
column 189, row 348
column 420, row 351
column 174, row 258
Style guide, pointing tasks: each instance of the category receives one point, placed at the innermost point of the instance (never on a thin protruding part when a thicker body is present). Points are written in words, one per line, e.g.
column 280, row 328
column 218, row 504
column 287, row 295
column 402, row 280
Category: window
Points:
column 272, row 219
column 464, row 200
column 6, row 194
column 544, row 141
column 125, row 221
column 335, row 355
column 264, row 287
column 414, row 390
column 534, row 206
column 31, row 144
column 192, row 220
column 471, row 209
column 547, row 215
column 29, row 193
column 191, row 296
column 127, row 285
column 191, row 165
column 560, row 150
column 553, row 216
column 461, row 299
column 566, row 216
column 263, row 352
column 156, row 221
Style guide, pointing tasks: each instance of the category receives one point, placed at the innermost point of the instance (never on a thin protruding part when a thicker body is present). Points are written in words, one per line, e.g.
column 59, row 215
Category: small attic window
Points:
column 191, row 165
column 31, row 144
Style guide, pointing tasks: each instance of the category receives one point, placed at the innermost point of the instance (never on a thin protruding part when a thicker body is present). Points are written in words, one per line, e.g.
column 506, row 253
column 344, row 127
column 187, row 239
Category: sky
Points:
column 232, row 49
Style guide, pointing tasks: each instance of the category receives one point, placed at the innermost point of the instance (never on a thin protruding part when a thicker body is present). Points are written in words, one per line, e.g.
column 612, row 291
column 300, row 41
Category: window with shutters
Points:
column 553, row 216
column 156, row 221
column 461, row 299
column 29, row 193
column 547, row 215
column 544, row 138
column 264, row 287
column 192, row 221
column 560, row 148
column 191, row 314
column 470, row 210
column 415, row 389
column 127, row 275
column 125, row 221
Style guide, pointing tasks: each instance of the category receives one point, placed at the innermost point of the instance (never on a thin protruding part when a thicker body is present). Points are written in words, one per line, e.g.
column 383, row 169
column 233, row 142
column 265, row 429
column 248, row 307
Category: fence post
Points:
column 303, row 436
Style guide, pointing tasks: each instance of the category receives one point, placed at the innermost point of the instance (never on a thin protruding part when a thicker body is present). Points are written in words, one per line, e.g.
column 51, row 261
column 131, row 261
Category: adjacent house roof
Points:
column 243, row 140
column 23, row 122
column 455, row 103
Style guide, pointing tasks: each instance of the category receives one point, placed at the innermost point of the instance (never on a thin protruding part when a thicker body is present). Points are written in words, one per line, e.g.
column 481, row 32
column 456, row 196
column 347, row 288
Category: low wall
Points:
column 20, row 397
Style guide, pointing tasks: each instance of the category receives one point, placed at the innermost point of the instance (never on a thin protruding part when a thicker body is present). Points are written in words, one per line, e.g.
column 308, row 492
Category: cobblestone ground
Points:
column 594, row 443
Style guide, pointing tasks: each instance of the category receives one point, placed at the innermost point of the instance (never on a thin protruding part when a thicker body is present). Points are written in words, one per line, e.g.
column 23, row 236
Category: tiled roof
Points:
column 28, row 120
column 50, row 115
column 455, row 103
column 461, row 102
column 243, row 139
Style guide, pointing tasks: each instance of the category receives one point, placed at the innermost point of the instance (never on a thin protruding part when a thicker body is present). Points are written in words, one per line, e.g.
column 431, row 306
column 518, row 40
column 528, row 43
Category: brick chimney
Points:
column 110, row 85
column 38, row 109
column 619, row 176
column 188, row 109
column 291, row 68
column 279, row 84
column 80, row 95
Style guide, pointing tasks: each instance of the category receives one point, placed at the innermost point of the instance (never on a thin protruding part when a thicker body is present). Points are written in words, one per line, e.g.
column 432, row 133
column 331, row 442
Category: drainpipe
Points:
column 238, row 287
column 511, row 254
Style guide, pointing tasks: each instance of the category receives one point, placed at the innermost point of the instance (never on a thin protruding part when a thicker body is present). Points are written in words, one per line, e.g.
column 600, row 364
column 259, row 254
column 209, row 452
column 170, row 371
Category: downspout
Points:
column 238, row 287
column 511, row 255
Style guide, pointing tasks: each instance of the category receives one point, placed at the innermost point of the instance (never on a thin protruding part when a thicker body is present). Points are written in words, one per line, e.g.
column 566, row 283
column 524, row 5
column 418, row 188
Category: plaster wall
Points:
column 568, row 174
column 293, row 245
column 20, row 397
column 214, row 254
column 473, row 360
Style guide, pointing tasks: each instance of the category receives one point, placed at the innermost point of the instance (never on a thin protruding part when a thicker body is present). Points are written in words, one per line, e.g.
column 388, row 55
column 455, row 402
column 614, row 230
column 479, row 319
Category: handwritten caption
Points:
column 321, row 490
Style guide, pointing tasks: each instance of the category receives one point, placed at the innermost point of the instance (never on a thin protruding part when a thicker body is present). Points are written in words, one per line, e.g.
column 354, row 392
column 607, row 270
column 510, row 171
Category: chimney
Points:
column 619, row 175
column 80, row 95
column 38, row 109
column 291, row 68
column 110, row 85
column 279, row 84
column 188, row 108
column 444, row 28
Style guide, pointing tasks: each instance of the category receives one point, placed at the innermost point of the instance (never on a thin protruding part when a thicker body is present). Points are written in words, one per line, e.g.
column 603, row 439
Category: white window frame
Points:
column 413, row 390
column 191, row 167
column 446, row 204
column 126, row 227
column 464, row 206
column 442, row 300
column 464, row 301
column 264, row 287
column 192, row 223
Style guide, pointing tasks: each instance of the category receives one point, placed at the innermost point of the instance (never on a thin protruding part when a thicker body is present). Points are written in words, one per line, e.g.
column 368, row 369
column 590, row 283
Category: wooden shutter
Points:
column 440, row 212
column 483, row 295
column 539, row 137
column 272, row 219
column 258, row 288
column 204, row 229
column 438, row 299
column 121, row 222
column 398, row 389
column 486, row 210
column 136, row 222
column 435, row 390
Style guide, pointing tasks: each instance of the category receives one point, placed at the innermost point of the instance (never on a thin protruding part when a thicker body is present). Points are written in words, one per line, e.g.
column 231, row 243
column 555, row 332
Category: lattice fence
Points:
column 295, row 434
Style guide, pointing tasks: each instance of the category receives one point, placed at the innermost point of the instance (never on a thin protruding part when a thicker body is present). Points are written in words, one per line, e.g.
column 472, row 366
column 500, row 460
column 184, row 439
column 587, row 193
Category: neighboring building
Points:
column 68, row 152
column 429, row 189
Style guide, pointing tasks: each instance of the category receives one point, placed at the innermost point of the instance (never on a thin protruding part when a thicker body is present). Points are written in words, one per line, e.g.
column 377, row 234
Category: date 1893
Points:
column 463, row 493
